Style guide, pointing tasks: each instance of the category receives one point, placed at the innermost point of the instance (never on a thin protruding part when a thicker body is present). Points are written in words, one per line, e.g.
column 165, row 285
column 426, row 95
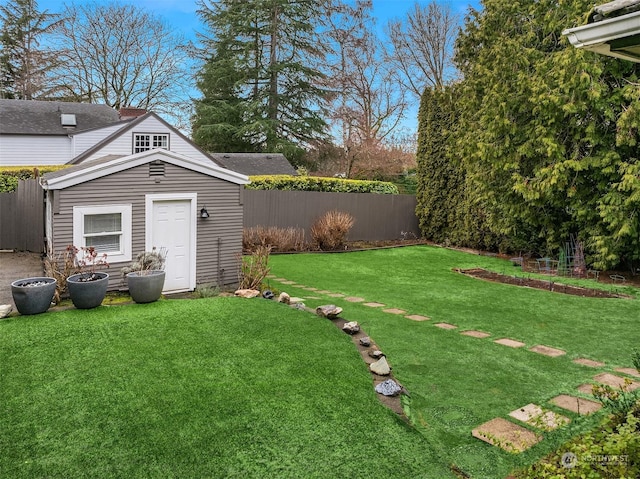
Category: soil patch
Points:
column 540, row 284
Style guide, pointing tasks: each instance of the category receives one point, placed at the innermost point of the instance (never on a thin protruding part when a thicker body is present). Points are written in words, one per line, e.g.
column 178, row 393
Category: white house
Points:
column 57, row 133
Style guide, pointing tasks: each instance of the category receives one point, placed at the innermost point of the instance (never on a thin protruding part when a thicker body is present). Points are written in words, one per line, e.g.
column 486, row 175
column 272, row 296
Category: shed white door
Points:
column 172, row 227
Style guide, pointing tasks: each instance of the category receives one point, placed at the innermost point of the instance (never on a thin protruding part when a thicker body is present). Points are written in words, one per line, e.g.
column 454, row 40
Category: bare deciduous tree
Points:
column 123, row 56
column 367, row 103
column 423, row 46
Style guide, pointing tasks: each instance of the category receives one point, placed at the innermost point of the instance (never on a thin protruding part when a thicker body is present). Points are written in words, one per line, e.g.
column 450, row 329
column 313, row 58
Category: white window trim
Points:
column 136, row 134
column 79, row 213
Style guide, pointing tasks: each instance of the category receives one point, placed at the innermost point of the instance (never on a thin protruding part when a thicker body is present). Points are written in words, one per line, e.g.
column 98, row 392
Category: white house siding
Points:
column 85, row 140
column 123, row 145
column 221, row 198
column 28, row 150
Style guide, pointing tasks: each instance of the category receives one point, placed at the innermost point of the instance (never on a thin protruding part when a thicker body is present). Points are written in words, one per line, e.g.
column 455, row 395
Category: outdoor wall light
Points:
column 203, row 212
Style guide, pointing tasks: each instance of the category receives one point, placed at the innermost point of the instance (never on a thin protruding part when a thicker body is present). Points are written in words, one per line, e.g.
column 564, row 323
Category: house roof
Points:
column 130, row 125
column 613, row 29
column 256, row 163
column 111, row 164
column 31, row 117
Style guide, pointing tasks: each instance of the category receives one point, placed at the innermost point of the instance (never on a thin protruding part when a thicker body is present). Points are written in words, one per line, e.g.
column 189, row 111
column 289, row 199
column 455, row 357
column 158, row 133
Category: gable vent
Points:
column 156, row 168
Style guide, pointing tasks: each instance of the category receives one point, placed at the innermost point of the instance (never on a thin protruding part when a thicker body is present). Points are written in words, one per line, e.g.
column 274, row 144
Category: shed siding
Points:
column 221, row 198
column 27, row 150
column 123, row 145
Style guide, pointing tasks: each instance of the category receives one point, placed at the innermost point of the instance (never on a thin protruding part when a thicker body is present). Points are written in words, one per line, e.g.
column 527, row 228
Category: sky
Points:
column 182, row 16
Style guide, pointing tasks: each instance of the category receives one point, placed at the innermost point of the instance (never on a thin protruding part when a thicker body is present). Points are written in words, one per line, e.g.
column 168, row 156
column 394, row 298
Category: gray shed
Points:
column 157, row 198
column 251, row 164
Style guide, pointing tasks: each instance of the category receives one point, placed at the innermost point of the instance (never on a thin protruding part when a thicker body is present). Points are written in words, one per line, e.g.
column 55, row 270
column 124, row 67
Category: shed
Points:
column 124, row 205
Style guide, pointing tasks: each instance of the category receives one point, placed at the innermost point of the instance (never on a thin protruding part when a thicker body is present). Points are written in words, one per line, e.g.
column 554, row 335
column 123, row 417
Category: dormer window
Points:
column 150, row 141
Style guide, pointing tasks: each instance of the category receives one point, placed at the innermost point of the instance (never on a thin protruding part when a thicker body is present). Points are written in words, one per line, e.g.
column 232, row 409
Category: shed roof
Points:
column 32, row 117
column 256, row 163
column 111, row 164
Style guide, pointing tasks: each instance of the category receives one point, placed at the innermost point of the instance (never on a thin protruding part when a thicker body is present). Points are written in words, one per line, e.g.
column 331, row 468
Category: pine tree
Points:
column 259, row 84
column 24, row 64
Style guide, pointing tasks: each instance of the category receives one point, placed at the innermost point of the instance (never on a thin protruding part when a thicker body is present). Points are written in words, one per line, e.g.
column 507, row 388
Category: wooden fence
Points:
column 22, row 218
column 377, row 217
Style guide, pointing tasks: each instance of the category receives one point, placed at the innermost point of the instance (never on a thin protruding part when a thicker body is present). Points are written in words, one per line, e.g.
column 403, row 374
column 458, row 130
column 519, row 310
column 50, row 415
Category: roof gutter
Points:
column 596, row 37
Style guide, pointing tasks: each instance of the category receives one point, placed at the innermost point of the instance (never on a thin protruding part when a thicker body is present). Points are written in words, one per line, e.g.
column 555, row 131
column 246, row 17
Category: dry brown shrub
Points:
column 60, row 265
column 279, row 239
column 254, row 268
column 329, row 232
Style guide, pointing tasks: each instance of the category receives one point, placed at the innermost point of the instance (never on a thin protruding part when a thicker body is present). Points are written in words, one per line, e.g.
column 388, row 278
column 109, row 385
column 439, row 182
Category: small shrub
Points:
column 254, row 268
column 153, row 260
column 203, row 291
column 330, row 231
column 318, row 183
column 61, row 265
column 279, row 239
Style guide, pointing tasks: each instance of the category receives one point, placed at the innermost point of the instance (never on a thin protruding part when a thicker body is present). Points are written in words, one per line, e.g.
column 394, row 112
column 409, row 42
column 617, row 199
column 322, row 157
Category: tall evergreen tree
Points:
column 24, row 63
column 259, row 83
column 548, row 133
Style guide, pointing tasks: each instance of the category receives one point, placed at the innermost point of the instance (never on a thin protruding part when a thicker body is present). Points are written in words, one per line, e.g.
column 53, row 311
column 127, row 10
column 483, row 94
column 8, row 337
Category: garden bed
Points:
column 546, row 285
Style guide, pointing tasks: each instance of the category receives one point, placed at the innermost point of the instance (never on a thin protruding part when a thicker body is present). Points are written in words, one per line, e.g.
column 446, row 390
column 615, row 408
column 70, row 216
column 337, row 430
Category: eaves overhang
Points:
column 615, row 37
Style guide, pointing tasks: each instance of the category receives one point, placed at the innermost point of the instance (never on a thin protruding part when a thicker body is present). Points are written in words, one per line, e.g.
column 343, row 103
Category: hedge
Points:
column 317, row 183
column 9, row 175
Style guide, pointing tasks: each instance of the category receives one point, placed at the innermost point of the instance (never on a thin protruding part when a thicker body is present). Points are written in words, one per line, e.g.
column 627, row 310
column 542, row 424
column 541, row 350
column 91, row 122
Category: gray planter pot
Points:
column 33, row 295
column 87, row 294
column 146, row 286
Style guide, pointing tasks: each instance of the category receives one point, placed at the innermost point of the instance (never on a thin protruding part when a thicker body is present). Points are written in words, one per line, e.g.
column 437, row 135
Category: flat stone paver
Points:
column 445, row 326
column 586, row 389
column 307, row 288
column 354, row 299
column 588, row 362
column 537, row 417
column 418, row 317
column 286, row 281
column 336, row 295
column 512, row 343
column 575, row 404
column 615, row 381
column 629, row 371
column 506, row 435
column 374, row 305
column 547, row 351
column 394, row 311
column 476, row 334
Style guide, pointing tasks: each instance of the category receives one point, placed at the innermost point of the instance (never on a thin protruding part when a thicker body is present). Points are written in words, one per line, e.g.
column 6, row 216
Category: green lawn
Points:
column 457, row 382
column 219, row 387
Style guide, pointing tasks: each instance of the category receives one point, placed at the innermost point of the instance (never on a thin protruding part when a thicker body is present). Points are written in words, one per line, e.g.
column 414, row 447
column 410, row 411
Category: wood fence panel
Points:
column 22, row 218
column 377, row 217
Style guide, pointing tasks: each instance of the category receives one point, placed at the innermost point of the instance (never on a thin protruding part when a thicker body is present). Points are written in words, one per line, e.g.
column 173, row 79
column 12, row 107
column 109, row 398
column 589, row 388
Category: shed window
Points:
column 150, row 141
column 106, row 228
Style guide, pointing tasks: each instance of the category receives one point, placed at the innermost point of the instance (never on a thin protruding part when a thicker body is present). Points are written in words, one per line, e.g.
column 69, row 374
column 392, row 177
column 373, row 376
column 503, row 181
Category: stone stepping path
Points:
column 418, row 317
column 588, row 362
column 374, row 305
column 354, row 299
column 615, row 381
column 629, row 371
column 475, row 334
column 575, row 404
column 506, row 435
column 501, row 432
column 445, row 326
column 511, row 343
column 547, row 351
column 535, row 416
